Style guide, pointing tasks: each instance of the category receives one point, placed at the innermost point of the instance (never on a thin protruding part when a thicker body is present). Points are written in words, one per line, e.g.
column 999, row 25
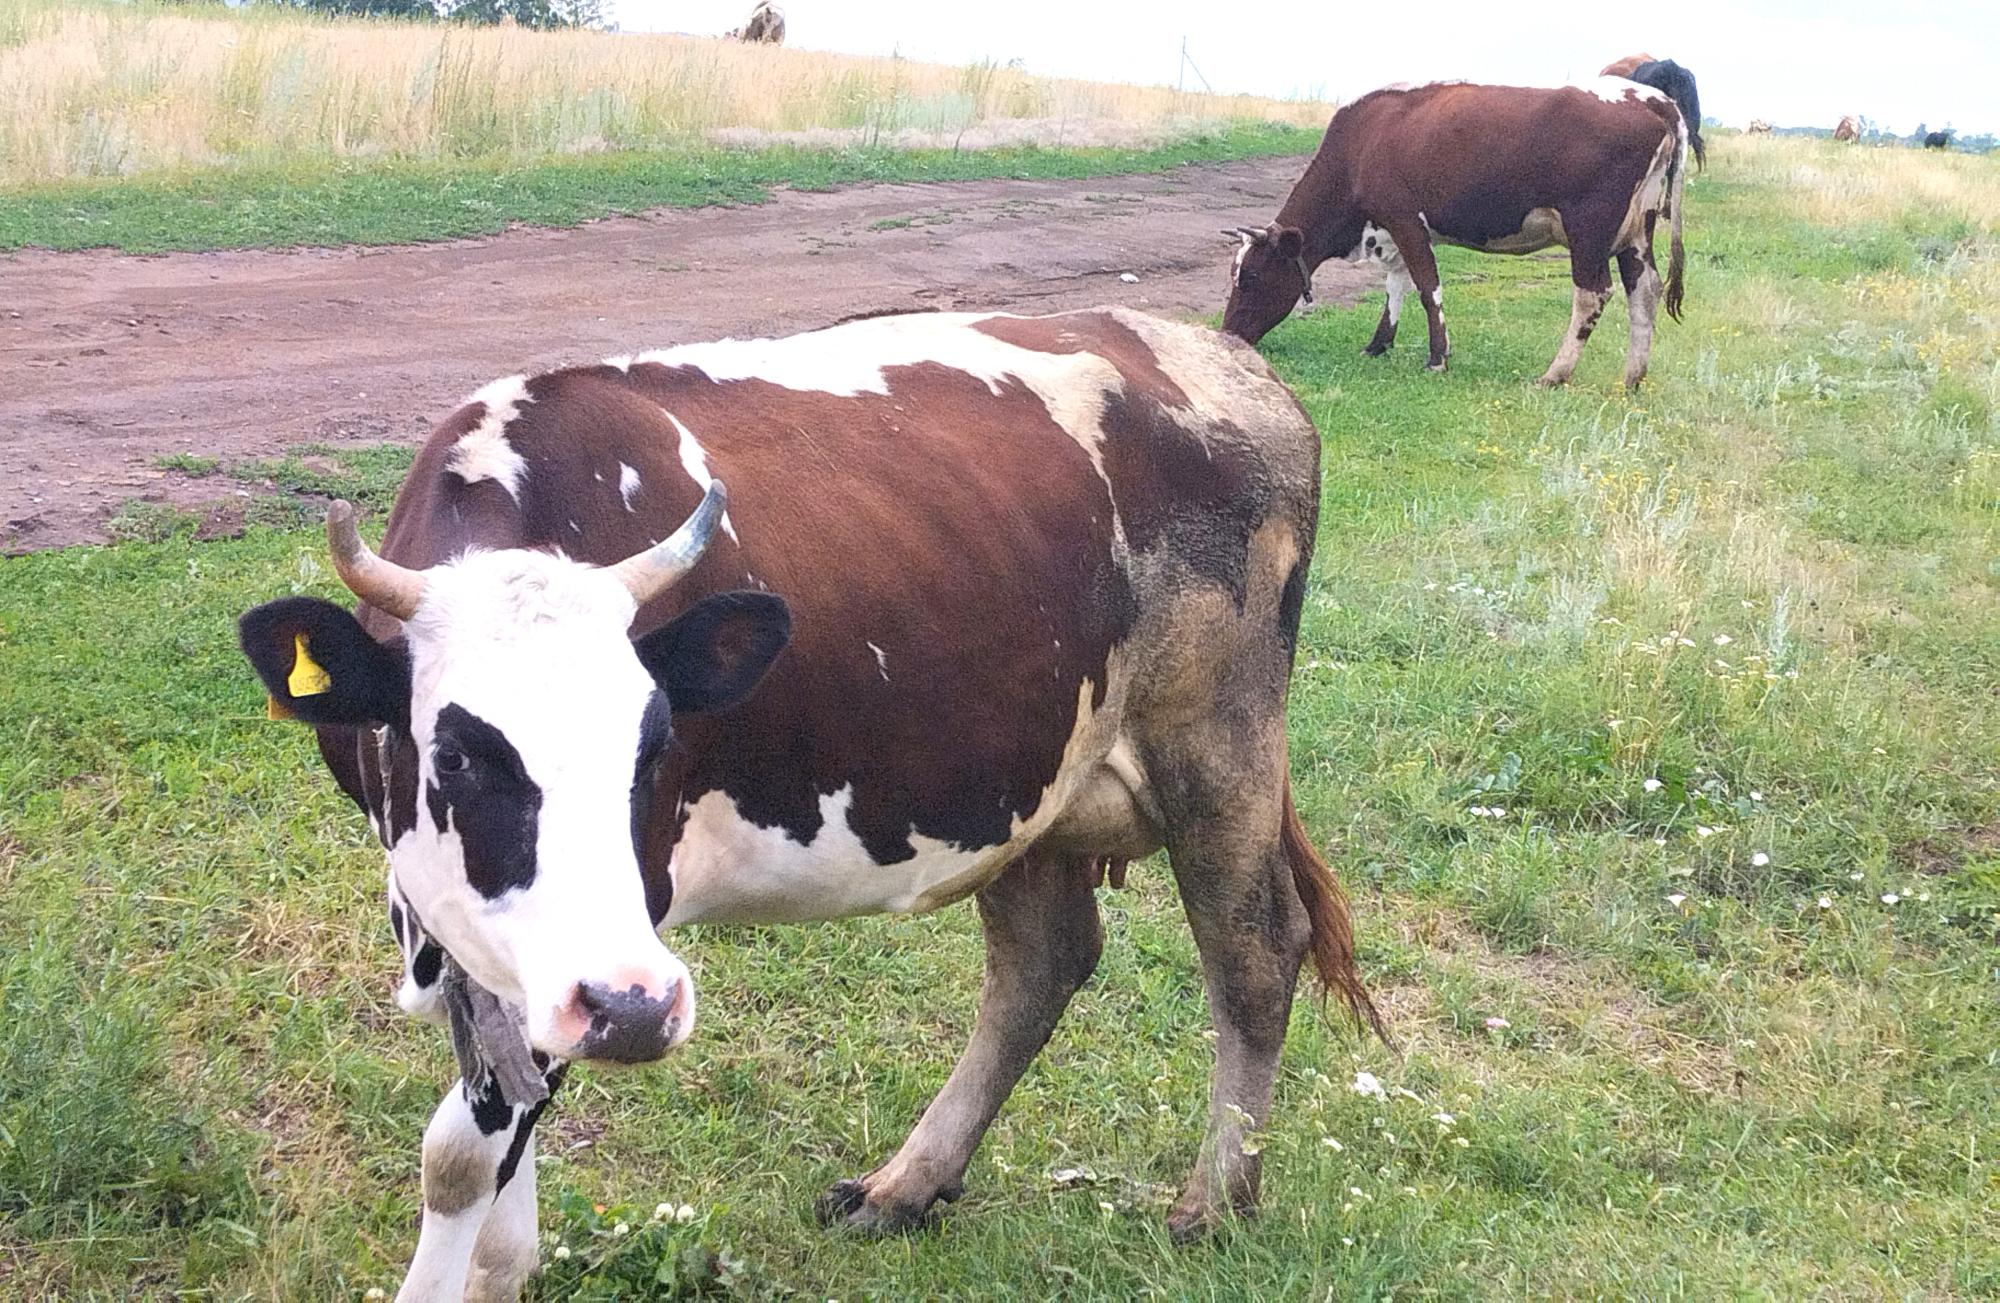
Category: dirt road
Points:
column 111, row 361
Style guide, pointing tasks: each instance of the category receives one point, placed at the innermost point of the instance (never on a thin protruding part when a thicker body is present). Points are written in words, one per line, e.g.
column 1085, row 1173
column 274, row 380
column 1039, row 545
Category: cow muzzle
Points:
column 634, row 1017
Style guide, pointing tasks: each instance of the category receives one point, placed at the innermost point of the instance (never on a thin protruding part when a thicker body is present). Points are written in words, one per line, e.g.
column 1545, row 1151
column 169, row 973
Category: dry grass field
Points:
column 88, row 90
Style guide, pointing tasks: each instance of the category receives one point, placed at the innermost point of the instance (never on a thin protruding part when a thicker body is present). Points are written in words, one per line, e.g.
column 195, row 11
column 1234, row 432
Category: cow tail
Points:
column 1332, row 926
column 1676, row 179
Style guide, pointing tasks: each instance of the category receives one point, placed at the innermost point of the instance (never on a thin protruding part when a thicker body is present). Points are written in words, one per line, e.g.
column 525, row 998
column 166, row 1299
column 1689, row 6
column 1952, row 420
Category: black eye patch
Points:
column 481, row 790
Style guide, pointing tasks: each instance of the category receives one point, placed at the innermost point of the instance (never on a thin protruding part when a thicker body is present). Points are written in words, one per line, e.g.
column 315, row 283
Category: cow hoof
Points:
column 1548, row 382
column 845, row 1203
column 1374, row 350
column 1190, row 1222
column 1434, row 366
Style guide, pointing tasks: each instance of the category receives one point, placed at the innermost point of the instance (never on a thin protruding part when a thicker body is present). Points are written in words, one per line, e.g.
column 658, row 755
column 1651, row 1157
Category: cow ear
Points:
column 712, row 654
column 320, row 665
column 1289, row 240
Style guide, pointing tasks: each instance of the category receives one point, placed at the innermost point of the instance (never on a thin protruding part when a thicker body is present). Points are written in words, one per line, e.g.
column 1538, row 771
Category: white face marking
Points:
column 694, row 460
column 1242, row 252
column 628, row 484
column 483, row 453
column 489, row 623
column 882, row 660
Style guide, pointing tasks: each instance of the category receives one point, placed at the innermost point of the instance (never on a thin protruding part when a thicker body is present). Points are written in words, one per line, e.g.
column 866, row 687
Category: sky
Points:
column 1791, row 62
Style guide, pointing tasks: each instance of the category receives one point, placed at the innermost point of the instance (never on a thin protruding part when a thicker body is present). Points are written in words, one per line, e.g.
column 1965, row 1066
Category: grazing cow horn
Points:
column 652, row 572
column 389, row 588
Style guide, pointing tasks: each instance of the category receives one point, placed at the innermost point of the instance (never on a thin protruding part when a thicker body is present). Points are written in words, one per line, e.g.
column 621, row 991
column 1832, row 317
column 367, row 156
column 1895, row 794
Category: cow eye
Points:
column 450, row 760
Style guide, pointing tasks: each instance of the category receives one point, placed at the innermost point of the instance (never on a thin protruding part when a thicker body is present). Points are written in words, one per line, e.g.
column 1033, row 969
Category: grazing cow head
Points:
column 1268, row 277
column 525, row 724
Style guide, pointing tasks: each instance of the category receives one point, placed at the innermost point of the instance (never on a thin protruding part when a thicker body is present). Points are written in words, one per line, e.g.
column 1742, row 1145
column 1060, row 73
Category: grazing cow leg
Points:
column 1592, row 277
column 1042, row 942
column 1392, row 308
column 1223, row 791
column 1413, row 244
column 1642, row 299
column 478, row 1238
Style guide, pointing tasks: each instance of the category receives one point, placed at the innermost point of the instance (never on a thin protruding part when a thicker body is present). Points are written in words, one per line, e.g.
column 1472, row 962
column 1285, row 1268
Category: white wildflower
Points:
column 1756, row 796
column 1331, row 1143
column 1104, row 1205
column 1826, row 902
column 1497, row 1024
column 1760, row 859
column 1854, row 876
column 1676, row 900
column 1890, row 898
column 1365, row 1083
column 1444, row 1119
column 621, row 1230
column 1461, row 1142
column 1703, row 830
column 375, row 1292
column 662, row 1211
column 562, row 1253
column 685, row 1213
column 1723, row 640
column 1652, row 784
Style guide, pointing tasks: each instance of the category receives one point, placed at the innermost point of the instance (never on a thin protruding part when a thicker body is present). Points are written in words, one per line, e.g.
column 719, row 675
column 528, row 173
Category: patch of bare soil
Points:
column 115, row 361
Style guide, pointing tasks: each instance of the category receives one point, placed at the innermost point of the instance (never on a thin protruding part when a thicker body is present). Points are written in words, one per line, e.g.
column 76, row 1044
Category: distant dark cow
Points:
column 766, row 26
column 1938, row 140
column 996, row 604
column 1676, row 82
column 1501, row 169
column 1848, row 130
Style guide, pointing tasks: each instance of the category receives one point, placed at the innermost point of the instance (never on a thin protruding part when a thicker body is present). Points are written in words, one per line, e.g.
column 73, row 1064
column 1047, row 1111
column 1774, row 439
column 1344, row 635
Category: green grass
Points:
column 1520, row 603
column 398, row 203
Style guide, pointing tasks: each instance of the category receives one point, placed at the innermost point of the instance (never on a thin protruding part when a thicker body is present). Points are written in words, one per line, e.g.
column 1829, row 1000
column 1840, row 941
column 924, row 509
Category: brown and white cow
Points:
column 1758, row 127
column 1500, row 169
column 993, row 602
column 1847, row 130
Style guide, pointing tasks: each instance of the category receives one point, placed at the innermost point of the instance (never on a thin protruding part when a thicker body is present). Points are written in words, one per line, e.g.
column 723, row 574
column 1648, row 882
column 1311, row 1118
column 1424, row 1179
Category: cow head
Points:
column 1268, row 277
column 532, row 723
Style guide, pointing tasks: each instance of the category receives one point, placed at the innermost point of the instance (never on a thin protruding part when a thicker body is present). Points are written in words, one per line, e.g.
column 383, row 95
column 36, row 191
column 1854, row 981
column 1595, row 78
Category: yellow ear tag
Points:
column 307, row 679
column 272, row 710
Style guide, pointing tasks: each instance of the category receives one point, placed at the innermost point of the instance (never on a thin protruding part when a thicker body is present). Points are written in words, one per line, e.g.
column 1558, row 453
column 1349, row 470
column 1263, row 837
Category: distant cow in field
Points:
column 997, row 604
column 1676, row 82
column 1938, row 140
column 1849, row 130
column 766, row 26
column 1759, row 127
column 1501, row 169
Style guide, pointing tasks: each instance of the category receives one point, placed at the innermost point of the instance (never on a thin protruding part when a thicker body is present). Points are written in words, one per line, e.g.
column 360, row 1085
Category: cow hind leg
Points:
column 1043, row 939
column 478, row 1236
column 1413, row 245
column 1224, row 791
column 1591, row 275
column 1642, row 299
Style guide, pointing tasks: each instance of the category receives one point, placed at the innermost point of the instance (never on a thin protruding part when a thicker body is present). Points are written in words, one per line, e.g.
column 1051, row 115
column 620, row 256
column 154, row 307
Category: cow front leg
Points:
column 1413, row 246
column 1042, row 942
column 1642, row 297
column 1392, row 309
column 478, row 1239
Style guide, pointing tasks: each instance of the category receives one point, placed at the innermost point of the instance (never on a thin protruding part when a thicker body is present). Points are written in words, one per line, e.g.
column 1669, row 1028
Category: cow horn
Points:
column 389, row 588
column 652, row 572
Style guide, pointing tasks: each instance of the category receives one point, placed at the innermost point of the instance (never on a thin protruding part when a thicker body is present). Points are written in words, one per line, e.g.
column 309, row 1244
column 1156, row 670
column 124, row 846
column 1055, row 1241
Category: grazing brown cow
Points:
column 1759, row 127
column 766, row 26
column 1027, row 590
column 1501, row 169
column 1849, row 130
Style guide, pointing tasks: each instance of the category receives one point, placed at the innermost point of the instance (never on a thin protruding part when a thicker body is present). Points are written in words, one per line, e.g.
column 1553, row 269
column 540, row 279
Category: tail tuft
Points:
column 1332, row 927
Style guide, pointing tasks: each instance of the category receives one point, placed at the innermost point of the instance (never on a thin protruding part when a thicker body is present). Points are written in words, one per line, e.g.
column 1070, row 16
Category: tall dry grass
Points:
column 92, row 91
column 1838, row 185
